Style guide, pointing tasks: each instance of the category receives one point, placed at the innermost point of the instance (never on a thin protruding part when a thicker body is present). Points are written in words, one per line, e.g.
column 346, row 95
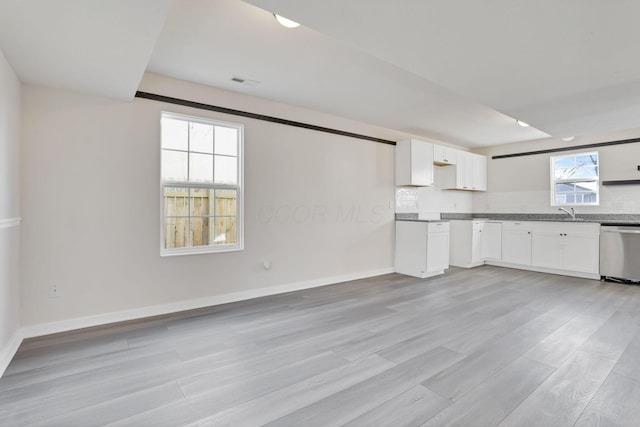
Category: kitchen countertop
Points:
column 604, row 219
column 422, row 220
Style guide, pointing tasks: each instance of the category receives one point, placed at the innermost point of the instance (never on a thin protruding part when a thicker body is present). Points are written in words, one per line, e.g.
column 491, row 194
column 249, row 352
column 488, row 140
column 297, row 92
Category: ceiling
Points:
column 99, row 47
column 459, row 70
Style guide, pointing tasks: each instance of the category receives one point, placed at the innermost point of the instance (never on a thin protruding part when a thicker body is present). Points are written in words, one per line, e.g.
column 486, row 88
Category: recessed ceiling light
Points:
column 568, row 138
column 286, row 22
column 523, row 124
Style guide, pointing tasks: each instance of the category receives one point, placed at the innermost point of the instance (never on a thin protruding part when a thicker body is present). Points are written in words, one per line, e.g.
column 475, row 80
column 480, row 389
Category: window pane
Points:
column 587, row 197
column 225, row 231
column 563, row 174
column 200, row 168
column 226, row 202
column 564, row 162
column 175, row 233
column 174, row 165
column 202, row 202
column 226, row 141
column 226, row 170
column 176, row 201
column 201, row 137
column 200, row 231
column 587, row 172
column 561, row 199
column 565, row 188
column 175, row 134
column 587, row 186
column 590, row 160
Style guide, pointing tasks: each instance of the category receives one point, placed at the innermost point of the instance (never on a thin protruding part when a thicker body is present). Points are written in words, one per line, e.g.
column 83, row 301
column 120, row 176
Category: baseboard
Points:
column 157, row 310
column 9, row 350
column 544, row 270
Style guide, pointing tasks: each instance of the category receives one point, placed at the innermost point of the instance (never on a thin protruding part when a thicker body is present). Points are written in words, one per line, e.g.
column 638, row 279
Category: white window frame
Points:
column 239, row 187
column 577, row 180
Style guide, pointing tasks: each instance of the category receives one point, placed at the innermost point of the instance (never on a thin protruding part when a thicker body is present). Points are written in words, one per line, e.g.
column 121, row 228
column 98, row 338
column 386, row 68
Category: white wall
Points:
column 317, row 205
column 522, row 184
column 9, row 210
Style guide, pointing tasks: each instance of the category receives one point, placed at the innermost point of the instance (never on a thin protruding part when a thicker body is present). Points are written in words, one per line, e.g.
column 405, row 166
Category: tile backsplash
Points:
column 431, row 200
column 624, row 199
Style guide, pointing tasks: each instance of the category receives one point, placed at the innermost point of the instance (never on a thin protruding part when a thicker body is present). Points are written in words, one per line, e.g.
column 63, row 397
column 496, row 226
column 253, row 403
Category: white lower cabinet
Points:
column 516, row 242
column 474, row 241
column 466, row 243
column 422, row 248
column 566, row 246
column 425, row 249
column 491, row 243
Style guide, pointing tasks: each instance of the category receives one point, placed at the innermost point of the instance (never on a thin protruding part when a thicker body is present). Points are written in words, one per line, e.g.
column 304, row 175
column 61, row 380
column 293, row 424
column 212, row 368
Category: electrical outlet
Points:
column 54, row 290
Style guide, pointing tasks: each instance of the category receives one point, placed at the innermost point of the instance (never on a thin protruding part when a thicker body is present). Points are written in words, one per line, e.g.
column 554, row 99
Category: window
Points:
column 201, row 185
column 574, row 179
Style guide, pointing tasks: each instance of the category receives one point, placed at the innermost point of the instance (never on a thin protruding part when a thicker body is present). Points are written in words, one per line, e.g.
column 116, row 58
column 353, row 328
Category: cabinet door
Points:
column 491, row 244
column 516, row 246
column 467, row 171
column 414, row 163
column 581, row 252
column 476, row 241
column 444, row 155
column 546, row 249
column 479, row 172
column 422, row 163
column 411, row 247
column 437, row 251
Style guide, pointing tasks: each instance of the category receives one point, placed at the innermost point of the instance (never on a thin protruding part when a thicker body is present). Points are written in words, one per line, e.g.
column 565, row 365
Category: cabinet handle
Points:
column 528, row 232
column 561, row 234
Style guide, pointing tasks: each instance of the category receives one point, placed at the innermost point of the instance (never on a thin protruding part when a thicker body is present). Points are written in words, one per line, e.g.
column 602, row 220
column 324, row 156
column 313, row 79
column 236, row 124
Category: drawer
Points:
column 516, row 225
column 435, row 227
column 567, row 227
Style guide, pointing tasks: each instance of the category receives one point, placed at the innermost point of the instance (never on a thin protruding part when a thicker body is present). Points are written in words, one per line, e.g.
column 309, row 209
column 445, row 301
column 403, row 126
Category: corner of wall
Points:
column 10, row 103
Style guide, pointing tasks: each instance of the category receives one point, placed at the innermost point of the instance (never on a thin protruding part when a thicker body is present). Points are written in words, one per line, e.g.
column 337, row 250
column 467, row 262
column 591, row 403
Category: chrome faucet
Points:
column 572, row 214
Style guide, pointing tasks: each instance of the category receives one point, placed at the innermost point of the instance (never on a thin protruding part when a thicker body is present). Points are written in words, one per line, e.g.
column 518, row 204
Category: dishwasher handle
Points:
column 621, row 231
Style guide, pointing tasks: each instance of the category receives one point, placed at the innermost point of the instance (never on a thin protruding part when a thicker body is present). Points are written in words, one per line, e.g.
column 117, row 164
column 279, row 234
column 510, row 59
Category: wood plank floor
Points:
column 486, row 346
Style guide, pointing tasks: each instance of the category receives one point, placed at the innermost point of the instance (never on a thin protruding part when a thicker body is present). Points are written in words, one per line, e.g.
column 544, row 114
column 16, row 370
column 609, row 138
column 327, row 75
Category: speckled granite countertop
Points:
column 416, row 218
column 605, row 219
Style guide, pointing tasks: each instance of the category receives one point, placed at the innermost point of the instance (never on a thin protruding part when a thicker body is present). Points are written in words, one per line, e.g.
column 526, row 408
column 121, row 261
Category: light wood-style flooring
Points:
column 481, row 347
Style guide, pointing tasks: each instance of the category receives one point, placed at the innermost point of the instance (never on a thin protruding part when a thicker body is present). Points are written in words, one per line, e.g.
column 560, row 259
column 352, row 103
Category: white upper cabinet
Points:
column 414, row 163
column 469, row 173
column 444, row 155
column 479, row 172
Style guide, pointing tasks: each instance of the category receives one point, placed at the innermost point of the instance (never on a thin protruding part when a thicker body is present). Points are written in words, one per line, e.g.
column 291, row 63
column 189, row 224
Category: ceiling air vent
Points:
column 245, row 81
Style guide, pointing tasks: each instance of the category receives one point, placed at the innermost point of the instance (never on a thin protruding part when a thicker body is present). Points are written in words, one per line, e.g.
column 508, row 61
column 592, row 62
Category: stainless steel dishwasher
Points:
column 620, row 252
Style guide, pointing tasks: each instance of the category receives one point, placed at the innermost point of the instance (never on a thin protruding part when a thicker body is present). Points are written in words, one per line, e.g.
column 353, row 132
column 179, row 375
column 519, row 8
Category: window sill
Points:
column 199, row 251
